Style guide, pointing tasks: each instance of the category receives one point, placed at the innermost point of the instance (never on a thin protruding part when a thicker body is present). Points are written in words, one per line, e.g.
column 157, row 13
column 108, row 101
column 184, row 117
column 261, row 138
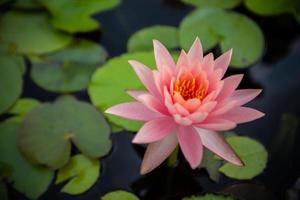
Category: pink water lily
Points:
column 187, row 103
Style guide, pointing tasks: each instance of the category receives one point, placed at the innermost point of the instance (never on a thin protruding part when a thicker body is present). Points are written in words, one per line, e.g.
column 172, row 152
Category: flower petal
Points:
column 135, row 93
column 217, row 124
column 197, row 117
column 244, row 96
column 154, row 130
column 216, row 143
column 195, row 53
column 242, row 115
column 157, row 152
column 184, row 121
column 182, row 61
column 152, row 103
column 146, row 76
column 230, row 84
column 223, row 61
column 208, row 63
column 190, row 144
column 134, row 110
column 162, row 56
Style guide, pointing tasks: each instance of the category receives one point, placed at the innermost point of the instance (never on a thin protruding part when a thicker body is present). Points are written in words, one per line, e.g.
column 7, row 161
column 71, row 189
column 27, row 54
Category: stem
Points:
column 172, row 160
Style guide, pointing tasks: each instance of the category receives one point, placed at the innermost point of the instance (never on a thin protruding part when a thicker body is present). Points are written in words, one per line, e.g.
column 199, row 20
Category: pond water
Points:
column 277, row 72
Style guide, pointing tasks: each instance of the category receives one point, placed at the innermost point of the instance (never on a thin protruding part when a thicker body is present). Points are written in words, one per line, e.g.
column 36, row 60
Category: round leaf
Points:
column 82, row 171
column 268, row 7
column 70, row 69
column 208, row 197
column 251, row 152
column 142, row 40
column 109, row 84
column 229, row 29
column 57, row 125
column 213, row 3
column 37, row 35
column 27, row 178
column 10, row 81
column 119, row 195
column 23, row 106
column 75, row 16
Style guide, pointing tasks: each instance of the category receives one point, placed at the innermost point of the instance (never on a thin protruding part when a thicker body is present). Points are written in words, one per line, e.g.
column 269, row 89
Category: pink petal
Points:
column 208, row 63
column 181, row 110
column 195, row 53
column 182, row 61
column 192, row 104
column 190, row 144
column 133, row 110
column 184, row 121
column 207, row 107
column 223, row 61
column 152, row 103
column 197, row 117
column 217, row 124
column 223, row 107
column 154, row 130
column 135, row 93
column 157, row 152
column 162, row 56
column 230, row 84
column 216, row 143
column 242, row 115
column 146, row 76
column 244, row 96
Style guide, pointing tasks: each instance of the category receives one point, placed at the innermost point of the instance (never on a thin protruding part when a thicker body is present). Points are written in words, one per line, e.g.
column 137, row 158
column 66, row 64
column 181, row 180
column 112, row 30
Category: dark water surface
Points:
column 278, row 73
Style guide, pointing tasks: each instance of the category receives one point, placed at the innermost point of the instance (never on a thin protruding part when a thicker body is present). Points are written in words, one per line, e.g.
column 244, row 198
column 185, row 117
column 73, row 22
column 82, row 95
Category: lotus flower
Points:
column 187, row 103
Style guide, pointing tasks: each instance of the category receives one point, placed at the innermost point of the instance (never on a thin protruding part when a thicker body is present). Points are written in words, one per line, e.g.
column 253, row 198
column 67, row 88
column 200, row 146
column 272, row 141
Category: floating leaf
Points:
column 109, row 84
column 37, row 35
column 27, row 178
column 10, row 81
column 234, row 31
column 119, row 195
column 213, row 3
column 252, row 153
column 23, row 106
column 211, row 164
column 142, row 40
column 208, row 197
column 75, row 16
column 82, row 171
column 56, row 125
column 268, row 7
column 70, row 69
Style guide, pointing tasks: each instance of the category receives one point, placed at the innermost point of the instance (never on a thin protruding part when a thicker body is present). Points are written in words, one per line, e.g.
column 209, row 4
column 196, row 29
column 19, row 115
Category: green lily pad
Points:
column 142, row 40
column 27, row 178
column 37, row 35
column 119, row 195
column 211, row 164
column 251, row 152
column 57, row 125
column 26, row 4
column 109, row 84
column 70, row 69
column 23, row 106
column 213, row 3
column 82, row 171
column 10, row 81
column 268, row 7
column 75, row 16
column 226, row 28
column 208, row 197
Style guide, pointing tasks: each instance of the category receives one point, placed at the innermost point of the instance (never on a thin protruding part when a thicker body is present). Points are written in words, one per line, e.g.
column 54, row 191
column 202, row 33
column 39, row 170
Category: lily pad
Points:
column 109, row 84
column 23, row 106
column 57, row 125
column 82, row 171
column 268, row 7
column 234, row 31
column 70, row 69
column 213, row 3
column 208, row 197
column 37, row 35
column 11, row 81
column 75, row 16
column 252, row 153
column 119, row 195
column 142, row 40
column 27, row 178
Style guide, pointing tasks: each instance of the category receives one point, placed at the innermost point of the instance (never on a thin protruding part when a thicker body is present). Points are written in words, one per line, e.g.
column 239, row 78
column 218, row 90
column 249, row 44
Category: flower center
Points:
column 190, row 88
